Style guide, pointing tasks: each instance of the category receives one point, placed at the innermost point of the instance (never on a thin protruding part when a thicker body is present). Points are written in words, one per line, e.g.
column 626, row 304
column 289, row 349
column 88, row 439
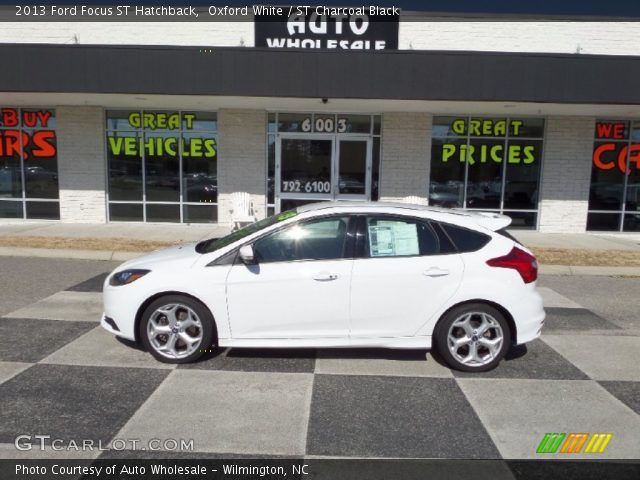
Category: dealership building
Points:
column 538, row 118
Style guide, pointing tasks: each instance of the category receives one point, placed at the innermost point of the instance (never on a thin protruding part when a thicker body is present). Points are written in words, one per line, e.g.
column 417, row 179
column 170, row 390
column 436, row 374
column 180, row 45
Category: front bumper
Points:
column 108, row 324
column 121, row 305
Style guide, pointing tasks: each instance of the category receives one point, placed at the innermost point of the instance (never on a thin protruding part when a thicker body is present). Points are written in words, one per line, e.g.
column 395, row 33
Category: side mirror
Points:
column 246, row 255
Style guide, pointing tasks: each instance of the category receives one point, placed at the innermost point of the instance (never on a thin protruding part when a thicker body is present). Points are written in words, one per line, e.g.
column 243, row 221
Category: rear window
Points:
column 464, row 239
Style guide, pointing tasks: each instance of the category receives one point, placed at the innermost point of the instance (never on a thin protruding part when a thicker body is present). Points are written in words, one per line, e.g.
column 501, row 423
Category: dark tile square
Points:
column 627, row 392
column 93, row 284
column 30, row 340
column 258, row 360
column 534, row 360
column 375, row 416
column 569, row 469
column 73, row 402
column 408, row 469
column 559, row 319
column 185, row 455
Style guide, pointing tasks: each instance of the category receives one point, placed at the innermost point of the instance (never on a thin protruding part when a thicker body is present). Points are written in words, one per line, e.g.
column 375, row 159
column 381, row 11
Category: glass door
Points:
column 353, row 168
column 304, row 172
column 322, row 167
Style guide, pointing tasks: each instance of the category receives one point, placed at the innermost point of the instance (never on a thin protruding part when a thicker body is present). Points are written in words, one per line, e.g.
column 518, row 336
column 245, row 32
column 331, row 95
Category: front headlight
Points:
column 126, row 276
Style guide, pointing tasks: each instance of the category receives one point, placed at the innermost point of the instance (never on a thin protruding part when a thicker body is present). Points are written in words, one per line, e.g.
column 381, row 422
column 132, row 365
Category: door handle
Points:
column 325, row 277
column 436, row 272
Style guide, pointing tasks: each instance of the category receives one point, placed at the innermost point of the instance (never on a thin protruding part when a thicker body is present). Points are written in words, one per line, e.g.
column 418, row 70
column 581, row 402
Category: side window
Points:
column 464, row 239
column 399, row 237
column 322, row 239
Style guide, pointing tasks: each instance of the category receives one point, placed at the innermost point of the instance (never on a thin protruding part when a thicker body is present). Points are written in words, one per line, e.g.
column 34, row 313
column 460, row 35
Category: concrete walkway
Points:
column 133, row 231
column 192, row 233
column 587, row 241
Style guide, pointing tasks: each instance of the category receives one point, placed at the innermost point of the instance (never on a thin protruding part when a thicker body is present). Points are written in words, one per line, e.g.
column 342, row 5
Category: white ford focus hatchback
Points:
column 336, row 275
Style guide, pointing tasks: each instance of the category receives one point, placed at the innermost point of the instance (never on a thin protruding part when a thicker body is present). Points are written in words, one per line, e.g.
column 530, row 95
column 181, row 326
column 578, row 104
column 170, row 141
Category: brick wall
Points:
column 81, row 164
column 222, row 34
column 566, row 174
column 406, row 155
column 605, row 38
column 608, row 38
column 242, row 159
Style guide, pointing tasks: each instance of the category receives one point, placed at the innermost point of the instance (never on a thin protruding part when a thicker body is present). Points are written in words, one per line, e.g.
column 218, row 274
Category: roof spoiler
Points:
column 491, row 220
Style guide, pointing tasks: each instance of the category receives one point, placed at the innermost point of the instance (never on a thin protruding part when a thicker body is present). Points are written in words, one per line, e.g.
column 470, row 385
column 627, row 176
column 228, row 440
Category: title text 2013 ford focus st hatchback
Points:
column 336, row 275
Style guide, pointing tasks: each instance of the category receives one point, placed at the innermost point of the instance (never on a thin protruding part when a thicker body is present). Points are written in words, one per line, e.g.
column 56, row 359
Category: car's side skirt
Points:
column 422, row 342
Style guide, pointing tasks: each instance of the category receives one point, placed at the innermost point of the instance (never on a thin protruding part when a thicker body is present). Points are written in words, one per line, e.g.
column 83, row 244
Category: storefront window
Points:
column 488, row 164
column 28, row 164
column 162, row 166
column 614, row 196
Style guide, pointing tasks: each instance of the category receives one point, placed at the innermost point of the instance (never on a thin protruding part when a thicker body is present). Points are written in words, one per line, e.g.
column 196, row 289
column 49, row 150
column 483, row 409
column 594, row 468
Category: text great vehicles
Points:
column 336, row 274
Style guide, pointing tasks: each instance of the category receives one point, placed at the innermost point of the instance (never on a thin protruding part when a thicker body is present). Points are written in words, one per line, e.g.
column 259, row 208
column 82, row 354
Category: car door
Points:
column 402, row 278
column 299, row 287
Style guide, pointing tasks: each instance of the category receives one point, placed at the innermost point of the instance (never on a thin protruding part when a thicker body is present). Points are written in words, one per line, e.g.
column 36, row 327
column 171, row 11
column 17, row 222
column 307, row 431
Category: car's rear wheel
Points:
column 177, row 329
column 472, row 337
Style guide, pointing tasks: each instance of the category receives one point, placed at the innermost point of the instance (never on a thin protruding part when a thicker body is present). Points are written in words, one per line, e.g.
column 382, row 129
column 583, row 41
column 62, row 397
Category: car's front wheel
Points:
column 472, row 337
column 177, row 329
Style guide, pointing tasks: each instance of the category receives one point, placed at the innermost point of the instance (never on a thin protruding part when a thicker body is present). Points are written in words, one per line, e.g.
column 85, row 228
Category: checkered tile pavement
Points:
column 62, row 375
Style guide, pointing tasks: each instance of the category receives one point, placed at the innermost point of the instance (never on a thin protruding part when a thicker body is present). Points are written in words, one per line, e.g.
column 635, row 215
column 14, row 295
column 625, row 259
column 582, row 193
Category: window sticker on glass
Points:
column 387, row 239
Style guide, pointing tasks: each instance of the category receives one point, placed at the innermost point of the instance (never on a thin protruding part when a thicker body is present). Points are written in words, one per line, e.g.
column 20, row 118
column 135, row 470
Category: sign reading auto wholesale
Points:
column 357, row 28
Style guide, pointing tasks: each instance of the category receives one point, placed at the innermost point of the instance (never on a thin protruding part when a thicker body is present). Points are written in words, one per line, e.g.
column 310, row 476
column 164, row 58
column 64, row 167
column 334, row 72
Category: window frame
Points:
column 25, row 199
column 506, row 139
column 141, row 133
column 622, row 211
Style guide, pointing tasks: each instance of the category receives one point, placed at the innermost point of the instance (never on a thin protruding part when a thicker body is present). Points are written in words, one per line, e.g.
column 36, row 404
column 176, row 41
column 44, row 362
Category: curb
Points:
column 105, row 255
column 118, row 256
column 584, row 270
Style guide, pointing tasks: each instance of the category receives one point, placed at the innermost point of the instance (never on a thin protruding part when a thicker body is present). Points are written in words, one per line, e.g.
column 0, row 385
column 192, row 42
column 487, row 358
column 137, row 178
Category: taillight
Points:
column 525, row 264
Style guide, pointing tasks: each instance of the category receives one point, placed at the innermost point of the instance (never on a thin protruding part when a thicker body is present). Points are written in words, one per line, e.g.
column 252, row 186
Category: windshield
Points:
column 213, row 244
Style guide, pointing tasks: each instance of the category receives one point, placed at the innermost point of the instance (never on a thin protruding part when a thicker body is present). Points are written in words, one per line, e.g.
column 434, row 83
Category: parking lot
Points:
column 63, row 376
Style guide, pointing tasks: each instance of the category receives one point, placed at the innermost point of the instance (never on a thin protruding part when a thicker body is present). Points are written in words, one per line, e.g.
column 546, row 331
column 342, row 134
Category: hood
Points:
column 491, row 220
column 180, row 255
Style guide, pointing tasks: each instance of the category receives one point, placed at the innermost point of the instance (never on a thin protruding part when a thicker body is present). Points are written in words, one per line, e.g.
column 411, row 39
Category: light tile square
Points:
column 551, row 298
column 72, row 306
column 412, row 363
column 11, row 369
column 235, row 412
column 601, row 357
column 100, row 348
column 518, row 413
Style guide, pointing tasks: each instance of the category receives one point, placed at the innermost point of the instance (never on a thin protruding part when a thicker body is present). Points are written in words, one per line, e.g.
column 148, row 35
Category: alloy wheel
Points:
column 475, row 339
column 174, row 330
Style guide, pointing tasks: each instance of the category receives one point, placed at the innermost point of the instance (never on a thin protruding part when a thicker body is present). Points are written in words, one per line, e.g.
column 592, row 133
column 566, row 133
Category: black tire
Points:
column 441, row 333
column 207, row 329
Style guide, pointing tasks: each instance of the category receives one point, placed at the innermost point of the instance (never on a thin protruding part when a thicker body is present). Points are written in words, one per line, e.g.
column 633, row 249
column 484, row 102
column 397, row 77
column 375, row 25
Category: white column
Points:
column 566, row 174
column 242, row 157
column 81, row 164
column 406, row 155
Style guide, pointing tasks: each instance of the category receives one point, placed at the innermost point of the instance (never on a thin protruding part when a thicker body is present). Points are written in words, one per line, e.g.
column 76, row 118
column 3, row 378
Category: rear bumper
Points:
column 529, row 318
